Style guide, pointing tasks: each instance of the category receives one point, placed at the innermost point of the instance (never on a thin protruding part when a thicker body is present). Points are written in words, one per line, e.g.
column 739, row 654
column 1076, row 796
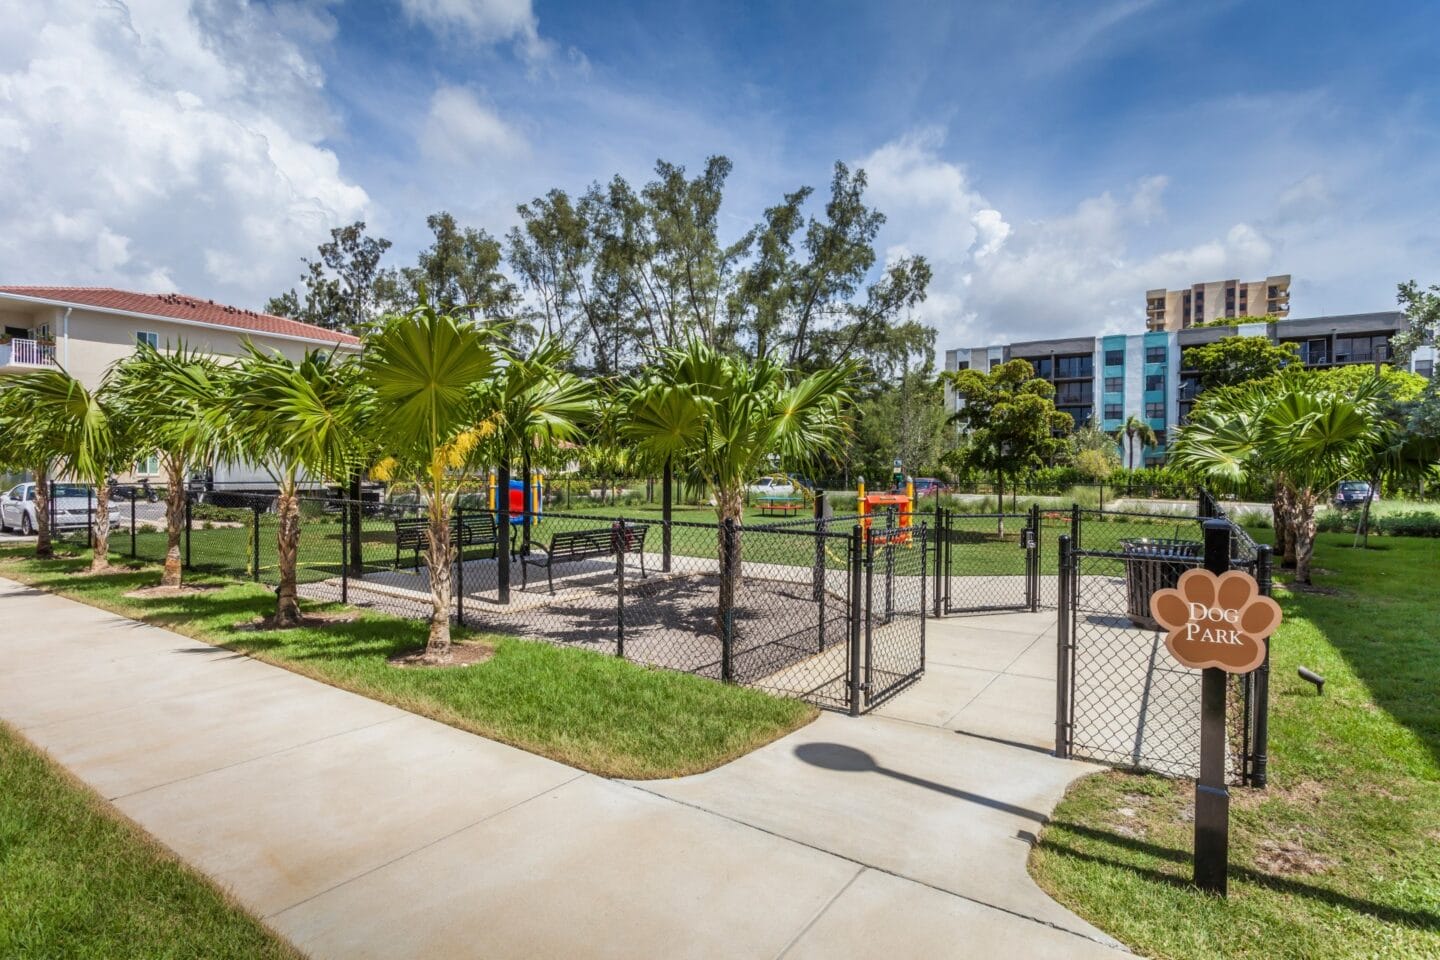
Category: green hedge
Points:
column 1411, row 523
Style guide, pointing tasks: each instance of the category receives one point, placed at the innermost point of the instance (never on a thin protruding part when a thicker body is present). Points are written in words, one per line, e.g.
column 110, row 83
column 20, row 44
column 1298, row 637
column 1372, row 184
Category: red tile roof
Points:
column 180, row 307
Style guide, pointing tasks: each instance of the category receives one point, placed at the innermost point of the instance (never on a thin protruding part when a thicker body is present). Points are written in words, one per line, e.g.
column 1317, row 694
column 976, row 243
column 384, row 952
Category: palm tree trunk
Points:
column 44, row 548
column 100, row 528
column 1281, row 520
column 438, row 560
column 174, row 521
column 1286, row 497
column 729, row 505
column 1304, row 530
column 287, row 552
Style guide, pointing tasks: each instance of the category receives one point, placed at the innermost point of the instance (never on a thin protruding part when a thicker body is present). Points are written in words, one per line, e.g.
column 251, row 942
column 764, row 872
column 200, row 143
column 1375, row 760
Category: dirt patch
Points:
column 1312, row 589
column 160, row 591
column 461, row 655
column 1289, row 857
column 1304, row 793
column 306, row 620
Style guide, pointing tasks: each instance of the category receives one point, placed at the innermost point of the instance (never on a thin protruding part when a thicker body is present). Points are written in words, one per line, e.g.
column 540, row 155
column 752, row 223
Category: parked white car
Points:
column 772, row 487
column 72, row 506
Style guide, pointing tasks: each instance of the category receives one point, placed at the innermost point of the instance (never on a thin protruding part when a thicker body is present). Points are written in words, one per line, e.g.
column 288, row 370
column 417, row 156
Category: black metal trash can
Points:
column 1153, row 564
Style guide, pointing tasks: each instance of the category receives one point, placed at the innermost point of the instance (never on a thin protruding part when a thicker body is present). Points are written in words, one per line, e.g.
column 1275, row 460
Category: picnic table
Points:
column 779, row 506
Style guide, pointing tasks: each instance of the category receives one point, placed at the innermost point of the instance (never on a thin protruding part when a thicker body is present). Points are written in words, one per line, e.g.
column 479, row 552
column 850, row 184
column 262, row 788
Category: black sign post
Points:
column 1212, row 796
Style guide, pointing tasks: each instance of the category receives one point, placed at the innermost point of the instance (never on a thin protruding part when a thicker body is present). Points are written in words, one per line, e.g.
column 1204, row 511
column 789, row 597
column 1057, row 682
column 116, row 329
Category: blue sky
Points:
column 1053, row 160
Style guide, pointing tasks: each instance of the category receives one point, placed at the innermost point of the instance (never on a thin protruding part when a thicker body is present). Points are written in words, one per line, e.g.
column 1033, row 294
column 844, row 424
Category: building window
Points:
column 1114, row 411
column 1155, row 410
column 1114, row 384
column 1154, row 354
column 1071, row 368
column 962, row 365
column 149, row 467
column 1043, row 367
column 1075, row 393
column 1114, row 358
column 1155, row 381
column 147, row 338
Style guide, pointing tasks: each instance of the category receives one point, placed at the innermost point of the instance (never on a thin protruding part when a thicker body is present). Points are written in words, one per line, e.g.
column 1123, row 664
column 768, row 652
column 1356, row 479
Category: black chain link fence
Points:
column 1121, row 698
column 815, row 608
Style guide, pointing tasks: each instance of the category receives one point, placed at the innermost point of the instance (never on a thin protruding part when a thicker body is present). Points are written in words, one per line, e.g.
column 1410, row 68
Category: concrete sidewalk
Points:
column 359, row 830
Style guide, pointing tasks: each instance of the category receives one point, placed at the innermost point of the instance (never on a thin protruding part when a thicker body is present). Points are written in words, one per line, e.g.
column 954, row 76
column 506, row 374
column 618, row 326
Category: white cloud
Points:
column 483, row 21
column 461, row 131
column 1075, row 273
column 164, row 144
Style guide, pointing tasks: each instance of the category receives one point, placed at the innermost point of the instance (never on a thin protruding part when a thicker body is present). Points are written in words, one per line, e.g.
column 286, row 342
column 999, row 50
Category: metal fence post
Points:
column 924, row 545
column 869, row 618
column 255, row 542
column 188, row 524
column 1062, row 653
column 727, row 600
column 132, row 525
column 665, row 516
column 939, row 533
column 852, row 683
column 817, row 569
column 1260, row 749
column 502, row 529
column 1212, row 796
column 90, row 515
column 620, row 546
column 344, row 551
column 459, row 581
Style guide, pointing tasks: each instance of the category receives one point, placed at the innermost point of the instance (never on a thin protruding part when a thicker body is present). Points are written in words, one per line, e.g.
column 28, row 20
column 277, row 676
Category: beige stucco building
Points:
column 86, row 330
column 1218, row 299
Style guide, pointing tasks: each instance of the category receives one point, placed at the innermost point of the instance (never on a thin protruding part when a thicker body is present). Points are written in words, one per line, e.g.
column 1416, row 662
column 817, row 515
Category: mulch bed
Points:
column 461, row 655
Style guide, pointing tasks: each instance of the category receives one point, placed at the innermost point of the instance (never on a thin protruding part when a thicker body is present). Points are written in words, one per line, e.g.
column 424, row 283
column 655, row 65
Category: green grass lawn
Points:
column 1340, row 857
column 78, row 880
column 600, row 713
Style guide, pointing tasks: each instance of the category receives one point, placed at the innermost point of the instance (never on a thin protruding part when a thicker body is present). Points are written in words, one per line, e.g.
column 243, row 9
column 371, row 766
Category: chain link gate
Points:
column 891, row 653
column 978, row 567
column 1121, row 699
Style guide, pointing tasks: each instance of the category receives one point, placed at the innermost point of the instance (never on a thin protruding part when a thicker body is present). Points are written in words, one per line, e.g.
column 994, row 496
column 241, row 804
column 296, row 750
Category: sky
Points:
column 1053, row 160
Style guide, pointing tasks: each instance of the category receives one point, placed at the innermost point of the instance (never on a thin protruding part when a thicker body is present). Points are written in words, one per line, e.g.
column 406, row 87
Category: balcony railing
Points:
column 27, row 353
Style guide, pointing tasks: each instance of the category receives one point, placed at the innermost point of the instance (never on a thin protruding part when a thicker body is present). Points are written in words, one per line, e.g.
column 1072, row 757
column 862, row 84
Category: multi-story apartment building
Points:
column 87, row 329
column 1218, row 299
column 1107, row 379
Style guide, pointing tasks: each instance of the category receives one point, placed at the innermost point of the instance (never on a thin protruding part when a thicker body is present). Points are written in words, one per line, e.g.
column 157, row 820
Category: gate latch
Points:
column 1027, row 538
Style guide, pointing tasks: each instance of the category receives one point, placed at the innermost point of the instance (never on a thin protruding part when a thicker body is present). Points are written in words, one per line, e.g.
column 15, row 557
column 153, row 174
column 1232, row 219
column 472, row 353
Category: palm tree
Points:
column 294, row 420
column 30, row 443
column 531, row 400
column 171, row 397
column 1294, row 429
column 1135, row 428
column 421, row 371
column 88, row 436
column 720, row 417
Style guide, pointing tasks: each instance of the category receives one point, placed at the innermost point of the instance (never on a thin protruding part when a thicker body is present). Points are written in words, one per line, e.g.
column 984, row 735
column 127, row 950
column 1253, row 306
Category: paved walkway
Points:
column 359, row 830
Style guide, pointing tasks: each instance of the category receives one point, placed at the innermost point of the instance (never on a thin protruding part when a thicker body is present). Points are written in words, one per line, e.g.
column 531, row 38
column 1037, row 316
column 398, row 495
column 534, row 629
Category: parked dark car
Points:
column 927, row 487
column 1352, row 493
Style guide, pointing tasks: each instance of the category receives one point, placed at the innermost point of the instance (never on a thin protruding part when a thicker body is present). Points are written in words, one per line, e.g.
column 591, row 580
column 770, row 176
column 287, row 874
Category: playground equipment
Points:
column 517, row 498
column 903, row 505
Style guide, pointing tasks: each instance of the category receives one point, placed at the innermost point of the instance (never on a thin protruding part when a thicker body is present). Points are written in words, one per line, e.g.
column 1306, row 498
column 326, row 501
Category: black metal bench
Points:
column 470, row 530
column 572, row 546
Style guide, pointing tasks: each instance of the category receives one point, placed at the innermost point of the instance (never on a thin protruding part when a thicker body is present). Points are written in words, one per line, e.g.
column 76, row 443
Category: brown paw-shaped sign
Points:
column 1216, row 621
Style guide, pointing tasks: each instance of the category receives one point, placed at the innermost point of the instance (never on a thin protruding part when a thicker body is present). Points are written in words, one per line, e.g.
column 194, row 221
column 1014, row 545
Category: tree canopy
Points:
column 1235, row 360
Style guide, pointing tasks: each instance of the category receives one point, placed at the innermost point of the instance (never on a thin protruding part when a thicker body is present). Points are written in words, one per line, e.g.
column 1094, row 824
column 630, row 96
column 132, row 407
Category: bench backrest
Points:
column 579, row 544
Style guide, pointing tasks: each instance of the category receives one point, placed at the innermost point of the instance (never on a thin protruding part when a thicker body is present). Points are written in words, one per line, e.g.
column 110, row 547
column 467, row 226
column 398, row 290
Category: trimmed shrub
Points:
column 1411, row 523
